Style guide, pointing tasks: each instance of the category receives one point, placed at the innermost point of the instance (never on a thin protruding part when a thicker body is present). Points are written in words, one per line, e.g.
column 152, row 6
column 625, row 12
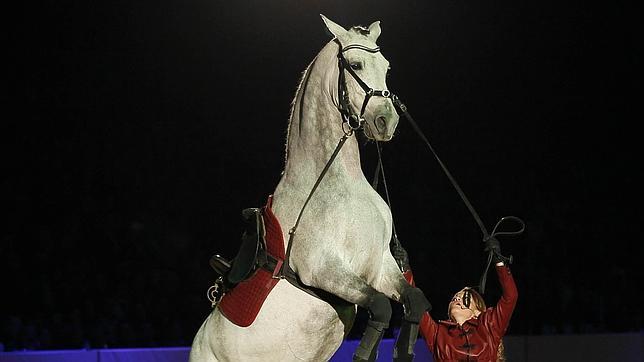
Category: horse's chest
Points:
column 352, row 229
column 369, row 224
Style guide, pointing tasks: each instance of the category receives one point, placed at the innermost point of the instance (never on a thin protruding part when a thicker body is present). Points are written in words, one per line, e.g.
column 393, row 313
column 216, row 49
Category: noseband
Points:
column 349, row 117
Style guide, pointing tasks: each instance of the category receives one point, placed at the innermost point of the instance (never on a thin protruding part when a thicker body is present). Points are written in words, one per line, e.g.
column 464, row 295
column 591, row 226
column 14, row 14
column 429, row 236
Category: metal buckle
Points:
column 347, row 132
column 216, row 292
column 398, row 103
column 277, row 271
column 357, row 122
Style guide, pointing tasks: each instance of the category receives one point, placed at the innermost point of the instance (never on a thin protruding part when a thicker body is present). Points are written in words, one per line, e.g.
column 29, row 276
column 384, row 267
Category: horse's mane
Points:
column 358, row 29
column 300, row 87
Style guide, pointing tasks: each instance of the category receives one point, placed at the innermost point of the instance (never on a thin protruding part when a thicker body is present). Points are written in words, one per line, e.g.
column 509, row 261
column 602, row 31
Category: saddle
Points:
column 252, row 254
column 246, row 280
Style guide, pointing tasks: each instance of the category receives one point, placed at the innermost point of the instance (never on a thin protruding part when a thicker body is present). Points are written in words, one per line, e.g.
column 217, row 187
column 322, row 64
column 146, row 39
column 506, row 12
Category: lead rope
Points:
column 486, row 236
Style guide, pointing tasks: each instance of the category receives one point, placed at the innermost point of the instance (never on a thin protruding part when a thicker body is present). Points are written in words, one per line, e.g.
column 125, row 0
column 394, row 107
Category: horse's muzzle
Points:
column 384, row 126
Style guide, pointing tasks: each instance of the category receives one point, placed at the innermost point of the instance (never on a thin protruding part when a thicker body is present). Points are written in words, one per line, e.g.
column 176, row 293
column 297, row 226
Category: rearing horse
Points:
column 342, row 241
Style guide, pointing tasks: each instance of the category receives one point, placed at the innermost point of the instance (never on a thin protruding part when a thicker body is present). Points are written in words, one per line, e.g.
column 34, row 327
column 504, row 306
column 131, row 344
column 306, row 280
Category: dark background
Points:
column 137, row 131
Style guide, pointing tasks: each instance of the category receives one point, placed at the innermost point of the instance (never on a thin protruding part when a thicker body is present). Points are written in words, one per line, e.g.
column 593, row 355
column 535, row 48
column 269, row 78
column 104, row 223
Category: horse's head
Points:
column 363, row 70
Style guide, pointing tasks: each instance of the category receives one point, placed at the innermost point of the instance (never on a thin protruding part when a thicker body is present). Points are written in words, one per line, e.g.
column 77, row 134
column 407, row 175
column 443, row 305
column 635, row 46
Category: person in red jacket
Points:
column 473, row 332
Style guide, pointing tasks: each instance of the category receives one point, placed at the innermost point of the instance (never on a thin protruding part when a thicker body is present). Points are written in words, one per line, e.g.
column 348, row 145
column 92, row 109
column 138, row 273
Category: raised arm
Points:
column 498, row 317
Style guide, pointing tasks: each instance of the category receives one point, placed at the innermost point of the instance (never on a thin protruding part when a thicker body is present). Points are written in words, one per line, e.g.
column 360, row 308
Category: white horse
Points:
column 342, row 242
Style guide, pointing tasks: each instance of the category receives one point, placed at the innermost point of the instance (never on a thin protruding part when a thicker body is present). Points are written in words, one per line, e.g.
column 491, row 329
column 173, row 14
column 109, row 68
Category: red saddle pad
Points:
column 242, row 304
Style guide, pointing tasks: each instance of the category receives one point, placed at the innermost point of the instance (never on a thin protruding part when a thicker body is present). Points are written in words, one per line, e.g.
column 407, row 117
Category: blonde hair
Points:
column 479, row 304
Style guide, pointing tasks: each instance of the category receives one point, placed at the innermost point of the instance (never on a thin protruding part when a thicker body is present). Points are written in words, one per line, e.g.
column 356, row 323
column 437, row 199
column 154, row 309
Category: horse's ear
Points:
column 374, row 31
column 335, row 29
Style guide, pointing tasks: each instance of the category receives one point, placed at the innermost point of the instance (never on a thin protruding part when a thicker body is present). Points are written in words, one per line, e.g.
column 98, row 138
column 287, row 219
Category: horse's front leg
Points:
column 337, row 278
column 414, row 304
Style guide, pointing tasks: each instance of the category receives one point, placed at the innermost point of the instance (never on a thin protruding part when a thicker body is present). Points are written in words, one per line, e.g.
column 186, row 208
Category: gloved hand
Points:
column 492, row 244
column 415, row 304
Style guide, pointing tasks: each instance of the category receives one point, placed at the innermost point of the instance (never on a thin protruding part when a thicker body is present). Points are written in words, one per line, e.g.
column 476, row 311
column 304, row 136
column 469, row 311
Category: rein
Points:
column 486, row 236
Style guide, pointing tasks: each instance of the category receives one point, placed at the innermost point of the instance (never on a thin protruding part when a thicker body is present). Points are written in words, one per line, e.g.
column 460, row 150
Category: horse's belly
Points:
column 291, row 325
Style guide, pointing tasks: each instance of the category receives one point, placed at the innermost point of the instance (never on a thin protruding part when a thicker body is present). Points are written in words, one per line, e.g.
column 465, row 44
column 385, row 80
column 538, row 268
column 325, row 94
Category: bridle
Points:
column 350, row 118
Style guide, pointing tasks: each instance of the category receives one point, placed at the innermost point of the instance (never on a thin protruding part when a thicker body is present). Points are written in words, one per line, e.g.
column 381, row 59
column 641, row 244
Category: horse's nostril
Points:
column 381, row 123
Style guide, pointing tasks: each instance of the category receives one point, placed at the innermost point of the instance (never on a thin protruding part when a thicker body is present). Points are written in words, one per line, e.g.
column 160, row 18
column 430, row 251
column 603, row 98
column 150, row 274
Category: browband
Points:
column 361, row 47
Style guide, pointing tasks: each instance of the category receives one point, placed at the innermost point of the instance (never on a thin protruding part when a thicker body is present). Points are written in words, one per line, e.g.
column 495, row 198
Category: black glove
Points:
column 400, row 255
column 493, row 245
column 415, row 304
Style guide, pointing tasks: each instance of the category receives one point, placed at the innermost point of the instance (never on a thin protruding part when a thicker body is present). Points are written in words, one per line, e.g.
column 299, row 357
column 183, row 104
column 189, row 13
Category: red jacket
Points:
column 478, row 338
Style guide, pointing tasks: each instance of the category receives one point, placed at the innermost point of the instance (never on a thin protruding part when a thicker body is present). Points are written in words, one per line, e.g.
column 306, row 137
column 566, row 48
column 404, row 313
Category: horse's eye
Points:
column 356, row 66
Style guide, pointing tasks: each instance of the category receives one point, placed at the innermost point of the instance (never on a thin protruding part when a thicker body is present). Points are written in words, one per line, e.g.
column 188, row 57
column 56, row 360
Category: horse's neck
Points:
column 315, row 128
